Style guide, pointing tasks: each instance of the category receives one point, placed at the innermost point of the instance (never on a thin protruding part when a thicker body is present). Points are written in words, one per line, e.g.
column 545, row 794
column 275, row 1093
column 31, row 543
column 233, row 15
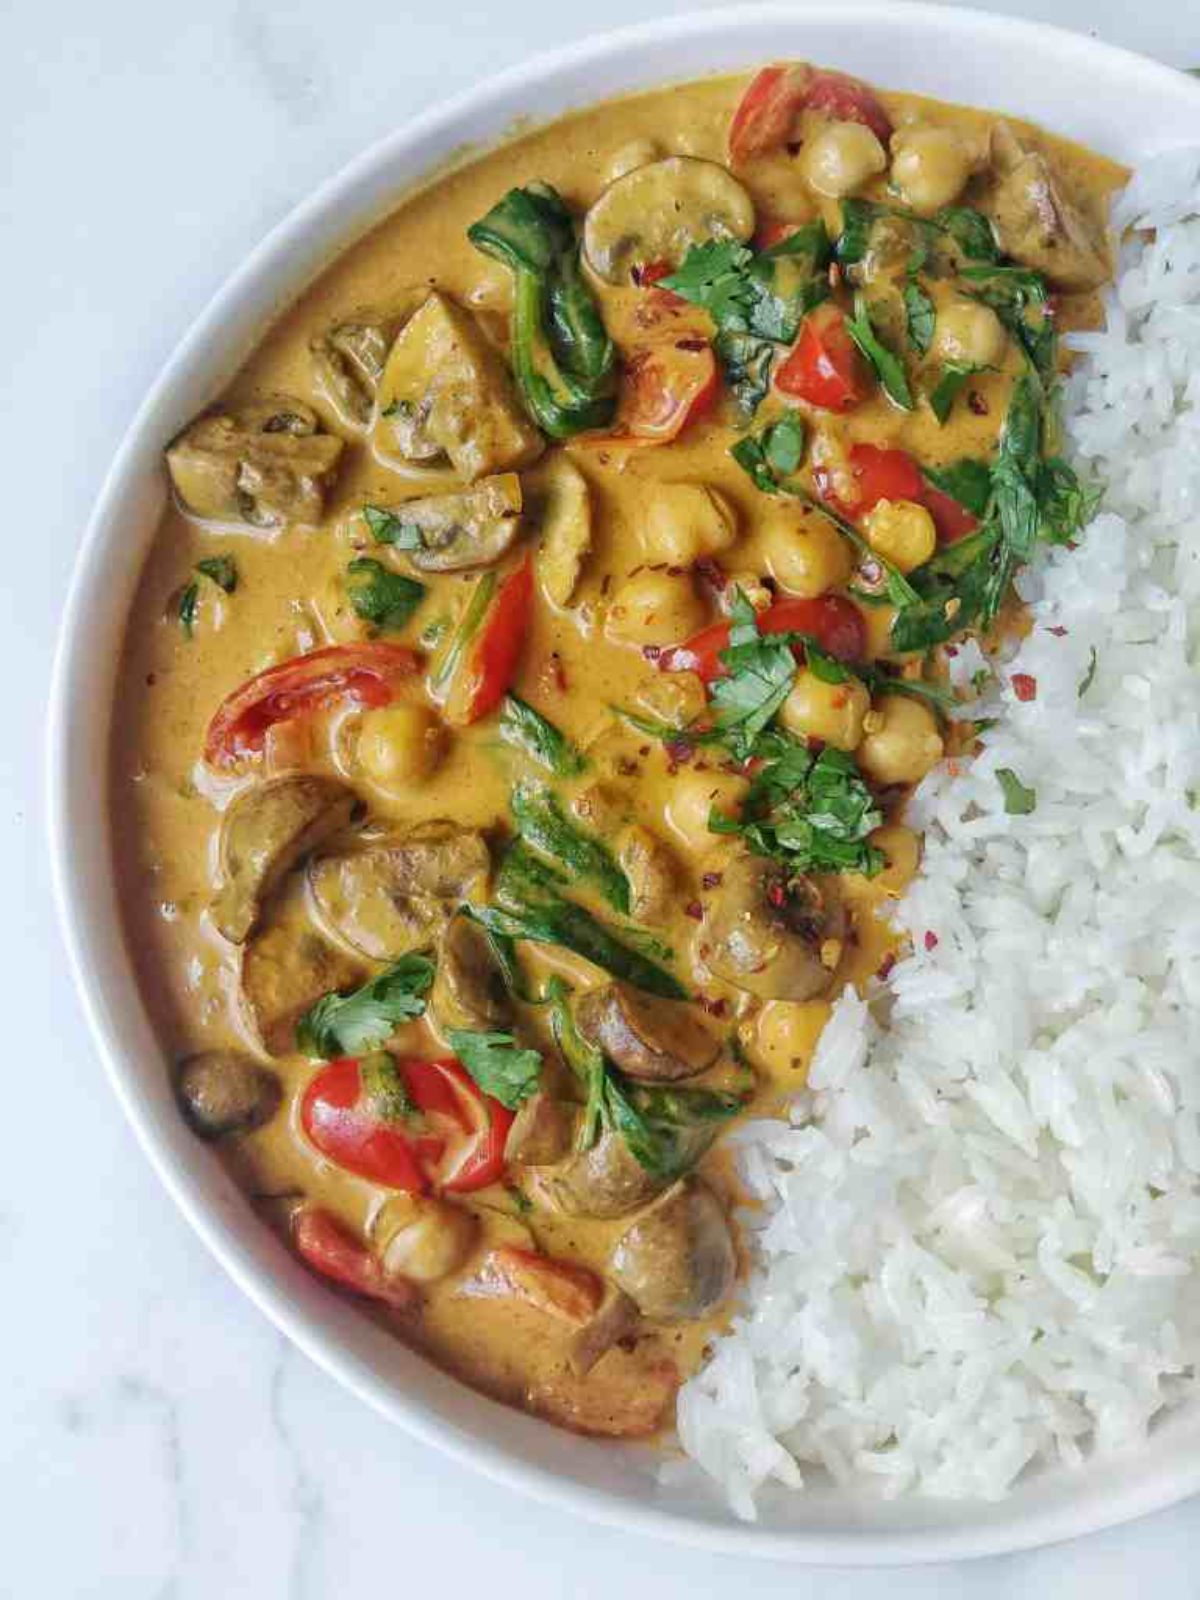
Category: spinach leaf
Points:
column 526, row 729
column 349, row 1024
column 498, row 1064
column 387, row 527
column 951, row 379
column 1018, row 297
column 385, row 599
column 967, row 481
column 222, row 570
column 920, row 316
column 584, row 1060
column 542, row 825
column 188, row 604
column 667, row 1130
column 887, row 366
column 971, row 231
column 468, row 626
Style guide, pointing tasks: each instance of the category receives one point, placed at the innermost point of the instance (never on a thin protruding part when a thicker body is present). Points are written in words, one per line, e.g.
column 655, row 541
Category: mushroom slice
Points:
column 286, row 968
column 1035, row 222
column 542, row 1131
column 348, row 359
column 606, row 1181
column 223, row 1091
column 655, row 1040
column 657, row 212
column 264, row 464
column 469, row 990
column 559, row 506
column 264, row 833
column 391, row 894
column 458, row 532
column 772, row 935
column 677, row 1262
column 446, row 402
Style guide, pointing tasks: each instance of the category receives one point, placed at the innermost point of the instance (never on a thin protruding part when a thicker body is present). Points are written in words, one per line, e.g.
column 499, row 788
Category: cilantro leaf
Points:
column 222, row 570
column 349, row 1024
column 387, row 527
column 967, row 481
column 887, row 366
column 384, row 599
column 1019, row 801
column 186, row 607
column 920, row 317
column 760, row 674
column 499, row 1066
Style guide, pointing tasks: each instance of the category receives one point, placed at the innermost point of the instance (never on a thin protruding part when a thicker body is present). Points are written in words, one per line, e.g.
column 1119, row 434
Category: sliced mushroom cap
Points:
column 657, row 212
column 264, row 833
column 469, row 990
column 458, row 532
column 655, row 1040
column 650, row 866
column 265, row 464
column 286, row 968
column 1036, row 223
column 559, row 508
column 391, row 894
column 606, row 1181
column 677, row 1262
column 446, row 402
column 348, row 359
column 542, row 1131
column 771, row 935
column 222, row 1092
column 422, row 1238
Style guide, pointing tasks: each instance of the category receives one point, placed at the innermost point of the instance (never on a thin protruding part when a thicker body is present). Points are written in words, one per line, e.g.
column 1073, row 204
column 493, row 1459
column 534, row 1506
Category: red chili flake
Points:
column 777, row 895
column 714, row 1007
column 977, row 404
column 931, row 940
column 676, row 572
column 694, row 910
column 1059, row 633
column 884, row 969
column 793, row 147
column 691, row 344
column 711, row 880
column 652, row 651
column 951, row 649
column 627, row 767
column 1024, row 687
column 554, row 673
column 678, row 751
column 711, row 573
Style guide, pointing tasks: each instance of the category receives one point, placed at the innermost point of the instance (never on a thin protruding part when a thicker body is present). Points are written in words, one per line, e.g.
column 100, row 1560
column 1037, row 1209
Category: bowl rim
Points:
column 84, row 886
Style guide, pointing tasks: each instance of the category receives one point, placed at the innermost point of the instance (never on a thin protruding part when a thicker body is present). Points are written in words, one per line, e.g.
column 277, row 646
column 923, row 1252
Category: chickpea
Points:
column 805, row 555
column 841, row 158
column 785, row 1036
column 930, row 167
column 423, row 1239
column 969, row 333
column 902, row 742
column 831, row 712
column 902, row 532
column 397, row 745
column 686, row 521
column 654, row 607
column 628, row 157
column 694, row 795
column 902, row 853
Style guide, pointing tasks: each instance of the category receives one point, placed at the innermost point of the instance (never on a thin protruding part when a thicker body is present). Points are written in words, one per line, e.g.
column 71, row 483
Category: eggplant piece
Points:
column 446, row 402
column 392, row 894
column 659, row 211
column 651, row 1039
column 469, row 990
column 775, row 937
column 1036, row 223
column 264, row 464
column 264, row 833
column 677, row 1262
column 222, row 1092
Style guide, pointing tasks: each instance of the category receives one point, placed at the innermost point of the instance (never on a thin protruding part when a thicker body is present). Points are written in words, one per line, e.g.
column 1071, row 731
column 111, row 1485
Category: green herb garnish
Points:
column 189, row 601
column 385, row 599
column 349, row 1024
column 951, row 380
column 387, row 527
column 1089, row 677
column 920, row 316
column 498, row 1064
column 1018, row 800
column 887, row 366
column 222, row 570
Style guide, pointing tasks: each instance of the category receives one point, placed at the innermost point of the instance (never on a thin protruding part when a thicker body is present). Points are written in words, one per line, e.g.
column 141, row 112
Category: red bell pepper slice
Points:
column 492, row 657
column 363, row 674
column 333, row 1252
column 824, row 366
column 766, row 115
column 667, row 386
column 445, row 1086
column 340, row 1120
column 833, row 621
column 884, row 474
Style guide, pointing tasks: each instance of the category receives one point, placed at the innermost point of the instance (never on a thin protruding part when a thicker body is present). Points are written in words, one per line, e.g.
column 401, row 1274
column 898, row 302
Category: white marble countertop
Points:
column 157, row 1438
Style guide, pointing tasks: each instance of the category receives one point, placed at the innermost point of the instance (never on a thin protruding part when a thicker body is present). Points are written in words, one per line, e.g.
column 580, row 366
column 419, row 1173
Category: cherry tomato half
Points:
column 883, row 474
column 331, row 1250
column 363, row 674
column 766, row 115
column 834, row 622
column 824, row 366
column 667, row 385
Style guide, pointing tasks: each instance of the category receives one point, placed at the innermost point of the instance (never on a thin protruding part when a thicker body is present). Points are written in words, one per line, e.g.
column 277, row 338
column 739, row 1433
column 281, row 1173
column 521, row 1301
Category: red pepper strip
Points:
column 339, row 1120
column 365, row 674
column 766, row 115
column 834, row 622
column 883, row 474
column 486, row 676
column 331, row 1250
column 667, row 385
column 485, row 1119
column 824, row 366
column 562, row 1289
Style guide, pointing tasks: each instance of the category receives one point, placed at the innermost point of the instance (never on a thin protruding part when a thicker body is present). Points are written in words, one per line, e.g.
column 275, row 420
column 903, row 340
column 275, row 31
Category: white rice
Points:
column 979, row 1238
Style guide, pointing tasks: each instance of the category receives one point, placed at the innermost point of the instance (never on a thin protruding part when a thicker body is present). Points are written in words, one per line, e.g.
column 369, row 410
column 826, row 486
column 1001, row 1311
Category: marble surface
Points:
column 157, row 1437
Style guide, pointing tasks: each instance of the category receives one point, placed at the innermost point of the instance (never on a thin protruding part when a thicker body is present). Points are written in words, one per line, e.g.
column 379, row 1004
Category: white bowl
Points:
column 1119, row 103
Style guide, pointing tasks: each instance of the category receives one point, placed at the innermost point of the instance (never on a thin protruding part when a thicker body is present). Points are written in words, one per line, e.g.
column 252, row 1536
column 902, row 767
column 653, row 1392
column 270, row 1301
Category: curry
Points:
column 527, row 682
